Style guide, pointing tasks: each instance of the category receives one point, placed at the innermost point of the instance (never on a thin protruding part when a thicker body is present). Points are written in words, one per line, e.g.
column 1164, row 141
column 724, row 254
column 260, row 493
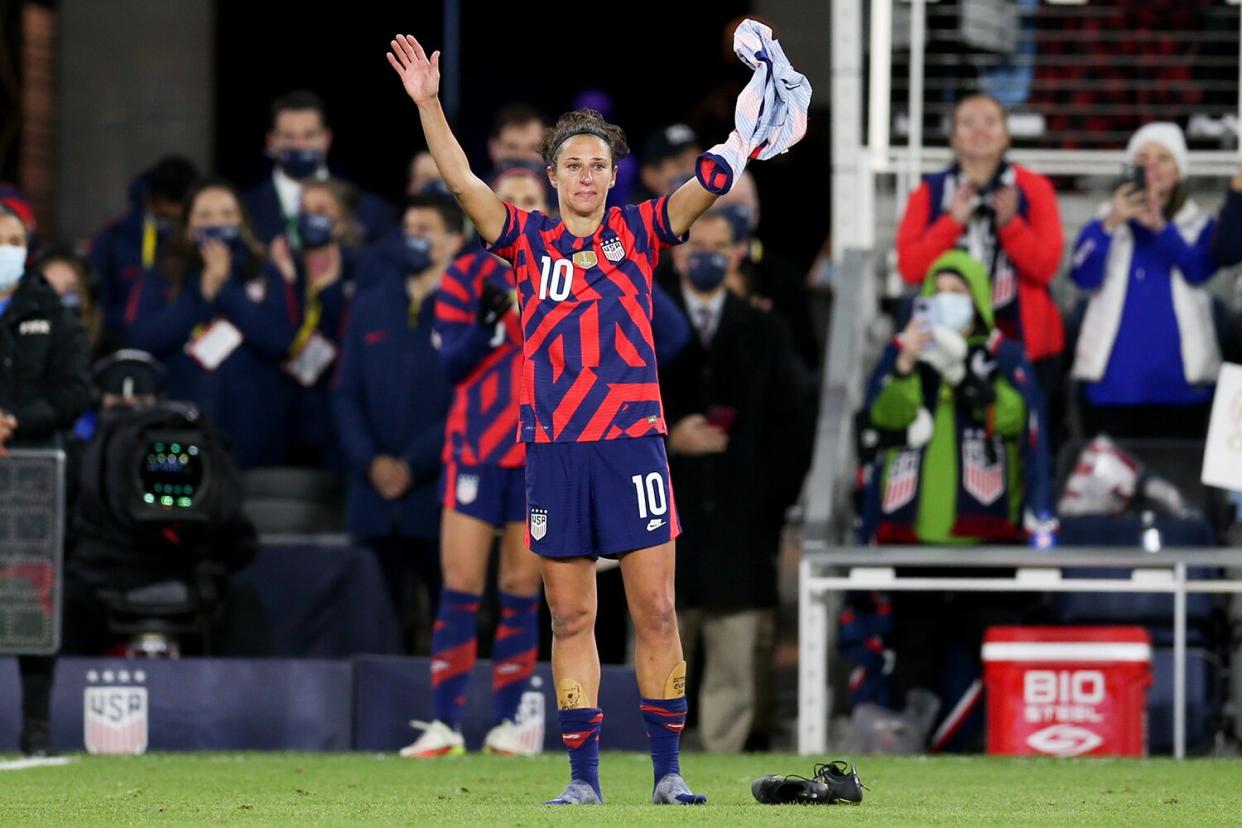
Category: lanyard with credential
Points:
column 150, row 240
column 310, row 321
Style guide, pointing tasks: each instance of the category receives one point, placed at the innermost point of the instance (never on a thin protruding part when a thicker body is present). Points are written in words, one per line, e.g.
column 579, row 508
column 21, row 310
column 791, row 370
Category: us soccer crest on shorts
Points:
column 467, row 488
column 538, row 523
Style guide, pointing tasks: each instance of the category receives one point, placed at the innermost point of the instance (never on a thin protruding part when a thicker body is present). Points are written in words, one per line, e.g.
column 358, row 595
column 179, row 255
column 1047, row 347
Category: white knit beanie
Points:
column 1168, row 135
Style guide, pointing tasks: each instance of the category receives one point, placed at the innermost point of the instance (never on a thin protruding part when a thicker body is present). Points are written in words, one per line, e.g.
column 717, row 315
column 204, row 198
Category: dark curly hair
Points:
column 583, row 122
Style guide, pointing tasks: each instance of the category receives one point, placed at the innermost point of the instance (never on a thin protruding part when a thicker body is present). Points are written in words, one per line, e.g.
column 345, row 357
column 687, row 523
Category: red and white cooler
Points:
column 1067, row 691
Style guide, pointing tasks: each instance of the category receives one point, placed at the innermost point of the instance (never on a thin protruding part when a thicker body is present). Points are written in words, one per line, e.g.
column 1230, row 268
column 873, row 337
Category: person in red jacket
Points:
column 1002, row 214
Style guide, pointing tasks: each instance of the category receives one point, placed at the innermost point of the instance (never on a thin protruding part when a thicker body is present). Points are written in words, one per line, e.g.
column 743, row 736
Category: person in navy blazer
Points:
column 298, row 145
column 391, row 401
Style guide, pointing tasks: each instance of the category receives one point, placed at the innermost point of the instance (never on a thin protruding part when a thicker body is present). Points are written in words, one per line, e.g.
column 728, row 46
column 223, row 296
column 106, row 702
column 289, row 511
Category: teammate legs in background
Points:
column 516, row 646
column 569, row 584
column 658, row 663
column 465, row 545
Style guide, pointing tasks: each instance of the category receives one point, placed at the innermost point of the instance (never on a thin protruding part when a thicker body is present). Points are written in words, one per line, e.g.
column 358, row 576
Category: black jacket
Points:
column 732, row 505
column 44, row 355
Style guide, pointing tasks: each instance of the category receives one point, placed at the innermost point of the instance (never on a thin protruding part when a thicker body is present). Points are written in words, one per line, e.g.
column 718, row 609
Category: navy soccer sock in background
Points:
column 513, row 653
column 453, row 650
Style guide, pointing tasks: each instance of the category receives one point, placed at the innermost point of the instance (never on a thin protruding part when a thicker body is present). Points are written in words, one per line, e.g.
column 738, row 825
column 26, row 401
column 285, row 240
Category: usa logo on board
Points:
column 115, row 712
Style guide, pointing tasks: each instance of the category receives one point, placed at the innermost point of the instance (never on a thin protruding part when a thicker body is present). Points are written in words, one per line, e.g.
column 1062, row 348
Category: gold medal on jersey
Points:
column 585, row 259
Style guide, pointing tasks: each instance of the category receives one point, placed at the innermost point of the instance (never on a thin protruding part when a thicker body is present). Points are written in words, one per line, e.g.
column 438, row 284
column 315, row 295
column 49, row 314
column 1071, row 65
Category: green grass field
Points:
column 332, row 789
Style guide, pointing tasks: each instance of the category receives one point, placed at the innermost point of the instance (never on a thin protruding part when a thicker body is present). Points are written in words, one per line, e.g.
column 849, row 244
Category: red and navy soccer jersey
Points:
column 590, row 371
column 485, row 365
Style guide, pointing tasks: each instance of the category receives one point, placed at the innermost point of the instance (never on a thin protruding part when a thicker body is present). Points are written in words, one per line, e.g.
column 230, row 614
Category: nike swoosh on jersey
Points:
column 652, row 525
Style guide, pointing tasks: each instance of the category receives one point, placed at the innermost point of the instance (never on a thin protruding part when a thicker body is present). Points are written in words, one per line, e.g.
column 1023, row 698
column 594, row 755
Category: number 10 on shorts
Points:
column 650, row 493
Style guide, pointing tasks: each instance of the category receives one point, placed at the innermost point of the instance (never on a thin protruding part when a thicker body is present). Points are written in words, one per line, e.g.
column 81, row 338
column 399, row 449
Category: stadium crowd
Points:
column 305, row 318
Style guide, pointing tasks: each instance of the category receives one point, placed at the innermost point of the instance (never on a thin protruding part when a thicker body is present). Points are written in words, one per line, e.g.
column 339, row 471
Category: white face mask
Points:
column 953, row 310
column 12, row 265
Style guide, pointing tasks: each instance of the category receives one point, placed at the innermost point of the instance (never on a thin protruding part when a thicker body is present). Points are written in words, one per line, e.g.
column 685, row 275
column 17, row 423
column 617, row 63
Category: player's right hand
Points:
column 419, row 75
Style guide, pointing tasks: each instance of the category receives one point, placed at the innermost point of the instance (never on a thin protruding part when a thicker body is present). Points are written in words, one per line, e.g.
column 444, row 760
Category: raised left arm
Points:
column 686, row 204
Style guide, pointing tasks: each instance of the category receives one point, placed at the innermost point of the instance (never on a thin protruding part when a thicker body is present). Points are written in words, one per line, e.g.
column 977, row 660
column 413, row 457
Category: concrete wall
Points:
column 135, row 84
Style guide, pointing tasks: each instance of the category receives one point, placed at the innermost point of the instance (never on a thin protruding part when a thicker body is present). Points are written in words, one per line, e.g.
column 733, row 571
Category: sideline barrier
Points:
column 283, row 704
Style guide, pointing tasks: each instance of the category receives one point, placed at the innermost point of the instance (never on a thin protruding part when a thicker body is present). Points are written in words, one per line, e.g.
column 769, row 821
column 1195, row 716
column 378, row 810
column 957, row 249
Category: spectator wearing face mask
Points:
column 391, row 399
column 122, row 250
column 318, row 271
column 738, row 446
column 215, row 313
column 969, row 458
column 44, row 386
column 958, row 407
column 1147, row 354
column 69, row 274
column 298, row 144
column 1006, row 217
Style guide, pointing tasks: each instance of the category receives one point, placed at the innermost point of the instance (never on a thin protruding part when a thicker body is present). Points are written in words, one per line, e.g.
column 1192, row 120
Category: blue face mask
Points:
column 12, row 265
column 314, row 230
column 952, row 310
column 706, row 270
column 299, row 163
column 228, row 234
column 417, row 253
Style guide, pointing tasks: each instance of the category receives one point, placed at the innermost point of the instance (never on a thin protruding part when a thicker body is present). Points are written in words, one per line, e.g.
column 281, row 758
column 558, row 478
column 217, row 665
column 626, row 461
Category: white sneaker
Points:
column 438, row 739
column 507, row 739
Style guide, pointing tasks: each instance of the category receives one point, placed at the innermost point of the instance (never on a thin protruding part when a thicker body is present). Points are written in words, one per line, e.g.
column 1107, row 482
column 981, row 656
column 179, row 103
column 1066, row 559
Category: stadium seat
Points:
column 293, row 501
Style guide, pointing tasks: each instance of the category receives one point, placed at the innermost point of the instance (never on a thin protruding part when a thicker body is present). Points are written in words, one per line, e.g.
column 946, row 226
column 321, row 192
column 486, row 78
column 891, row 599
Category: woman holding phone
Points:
column 1147, row 355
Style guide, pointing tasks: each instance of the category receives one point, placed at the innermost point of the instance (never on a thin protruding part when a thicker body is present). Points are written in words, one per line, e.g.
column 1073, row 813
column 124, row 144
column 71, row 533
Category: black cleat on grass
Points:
column 790, row 790
column 842, row 781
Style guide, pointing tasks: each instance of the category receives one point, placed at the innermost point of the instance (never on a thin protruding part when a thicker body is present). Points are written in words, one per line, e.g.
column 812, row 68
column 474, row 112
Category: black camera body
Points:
column 1135, row 175
column 160, row 467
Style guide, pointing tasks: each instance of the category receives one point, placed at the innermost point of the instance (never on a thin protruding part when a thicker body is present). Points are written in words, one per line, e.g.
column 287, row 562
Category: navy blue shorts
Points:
column 491, row 493
column 598, row 499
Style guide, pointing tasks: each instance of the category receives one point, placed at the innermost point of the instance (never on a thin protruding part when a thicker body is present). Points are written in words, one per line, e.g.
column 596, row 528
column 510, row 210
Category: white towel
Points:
column 771, row 111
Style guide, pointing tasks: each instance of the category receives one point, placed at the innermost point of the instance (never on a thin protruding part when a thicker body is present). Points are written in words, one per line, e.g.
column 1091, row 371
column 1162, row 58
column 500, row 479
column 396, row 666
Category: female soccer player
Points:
column 596, row 474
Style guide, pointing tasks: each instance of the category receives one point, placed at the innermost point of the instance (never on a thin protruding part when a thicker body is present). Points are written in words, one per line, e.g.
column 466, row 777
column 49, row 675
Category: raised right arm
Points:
column 421, row 78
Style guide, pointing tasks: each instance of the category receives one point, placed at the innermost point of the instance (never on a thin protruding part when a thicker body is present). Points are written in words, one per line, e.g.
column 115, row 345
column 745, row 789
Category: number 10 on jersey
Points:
column 556, row 279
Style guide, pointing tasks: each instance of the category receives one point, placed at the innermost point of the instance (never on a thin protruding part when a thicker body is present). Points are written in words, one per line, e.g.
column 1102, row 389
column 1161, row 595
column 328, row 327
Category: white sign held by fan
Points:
column 1222, row 456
